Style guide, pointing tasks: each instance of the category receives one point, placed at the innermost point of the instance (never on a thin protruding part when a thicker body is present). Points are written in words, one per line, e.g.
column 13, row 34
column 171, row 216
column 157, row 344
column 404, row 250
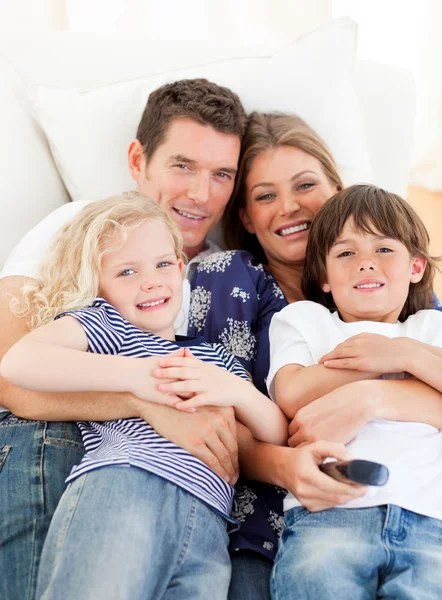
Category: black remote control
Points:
column 361, row 471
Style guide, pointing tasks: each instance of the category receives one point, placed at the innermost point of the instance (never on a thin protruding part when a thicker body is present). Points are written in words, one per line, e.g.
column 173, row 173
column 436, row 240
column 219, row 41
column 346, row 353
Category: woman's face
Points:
column 285, row 189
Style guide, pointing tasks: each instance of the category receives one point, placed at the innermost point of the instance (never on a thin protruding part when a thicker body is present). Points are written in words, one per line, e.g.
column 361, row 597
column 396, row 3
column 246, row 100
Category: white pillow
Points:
column 89, row 130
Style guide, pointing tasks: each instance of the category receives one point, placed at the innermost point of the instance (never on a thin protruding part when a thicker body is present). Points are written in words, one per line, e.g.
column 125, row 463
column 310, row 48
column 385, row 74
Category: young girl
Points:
column 369, row 274
column 114, row 275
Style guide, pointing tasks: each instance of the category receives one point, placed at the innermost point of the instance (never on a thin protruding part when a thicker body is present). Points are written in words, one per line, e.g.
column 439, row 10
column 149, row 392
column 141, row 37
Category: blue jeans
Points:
column 250, row 576
column 35, row 459
column 355, row 554
column 123, row 533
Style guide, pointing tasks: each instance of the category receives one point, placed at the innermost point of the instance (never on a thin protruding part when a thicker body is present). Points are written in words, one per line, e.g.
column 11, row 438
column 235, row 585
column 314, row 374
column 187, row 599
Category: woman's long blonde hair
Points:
column 69, row 273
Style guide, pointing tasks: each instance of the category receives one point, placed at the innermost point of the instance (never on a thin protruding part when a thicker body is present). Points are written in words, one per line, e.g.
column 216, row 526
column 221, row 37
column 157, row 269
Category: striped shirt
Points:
column 133, row 442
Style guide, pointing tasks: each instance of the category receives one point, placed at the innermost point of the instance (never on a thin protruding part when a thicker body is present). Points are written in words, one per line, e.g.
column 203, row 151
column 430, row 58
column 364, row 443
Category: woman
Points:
column 286, row 174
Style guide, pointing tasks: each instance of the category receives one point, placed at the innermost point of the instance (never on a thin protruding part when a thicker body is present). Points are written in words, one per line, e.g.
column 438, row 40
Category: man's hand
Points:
column 371, row 352
column 209, row 434
column 335, row 417
column 314, row 489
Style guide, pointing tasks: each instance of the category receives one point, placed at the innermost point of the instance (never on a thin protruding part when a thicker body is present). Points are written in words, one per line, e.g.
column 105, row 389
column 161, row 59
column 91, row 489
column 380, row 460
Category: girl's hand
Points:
column 371, row 352
column 335, row 417
column 144, row 385
column 314, row 489
column 206, row 384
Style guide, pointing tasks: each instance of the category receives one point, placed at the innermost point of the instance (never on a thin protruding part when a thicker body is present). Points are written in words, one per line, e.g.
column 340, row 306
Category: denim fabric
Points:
column 35, row 459
column 250, row 576
column 123, row 533
column 355, row 554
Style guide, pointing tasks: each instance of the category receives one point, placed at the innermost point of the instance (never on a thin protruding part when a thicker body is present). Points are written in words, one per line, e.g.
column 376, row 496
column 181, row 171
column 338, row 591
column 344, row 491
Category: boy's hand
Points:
column 370, row 352
column 206, row 384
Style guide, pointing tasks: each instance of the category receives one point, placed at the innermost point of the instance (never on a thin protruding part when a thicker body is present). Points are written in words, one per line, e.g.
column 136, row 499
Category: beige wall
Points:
column 429, row 206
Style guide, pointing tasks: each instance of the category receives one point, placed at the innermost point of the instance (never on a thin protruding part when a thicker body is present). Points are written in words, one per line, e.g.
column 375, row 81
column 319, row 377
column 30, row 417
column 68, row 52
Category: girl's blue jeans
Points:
column 358, row 554
column 122, row 533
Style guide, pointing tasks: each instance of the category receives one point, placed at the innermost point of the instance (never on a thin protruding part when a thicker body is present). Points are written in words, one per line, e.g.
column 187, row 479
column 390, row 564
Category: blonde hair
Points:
column 69, row 273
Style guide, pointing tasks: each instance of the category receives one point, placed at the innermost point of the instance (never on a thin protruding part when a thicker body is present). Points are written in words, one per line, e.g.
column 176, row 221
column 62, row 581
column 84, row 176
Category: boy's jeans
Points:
column 355, row 554
column 123, row 533
column 35, row 459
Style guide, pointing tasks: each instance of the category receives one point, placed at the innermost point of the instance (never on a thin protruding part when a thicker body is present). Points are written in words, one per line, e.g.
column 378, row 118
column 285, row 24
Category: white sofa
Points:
column 69, row 106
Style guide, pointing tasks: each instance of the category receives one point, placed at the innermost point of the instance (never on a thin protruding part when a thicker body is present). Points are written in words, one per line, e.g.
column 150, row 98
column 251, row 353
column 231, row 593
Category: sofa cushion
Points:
column 90, row 129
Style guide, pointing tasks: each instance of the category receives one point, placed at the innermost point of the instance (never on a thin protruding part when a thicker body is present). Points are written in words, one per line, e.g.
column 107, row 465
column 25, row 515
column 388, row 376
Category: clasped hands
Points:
column 181, row 380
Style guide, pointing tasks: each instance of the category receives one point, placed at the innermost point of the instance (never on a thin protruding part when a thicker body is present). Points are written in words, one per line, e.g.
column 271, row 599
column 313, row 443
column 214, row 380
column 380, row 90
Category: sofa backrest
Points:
column 70, row 104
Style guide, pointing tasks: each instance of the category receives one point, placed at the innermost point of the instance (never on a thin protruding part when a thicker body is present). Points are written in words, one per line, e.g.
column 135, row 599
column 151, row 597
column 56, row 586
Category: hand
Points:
column 207, row 384
column 144, row 385
column 314, row 489
column 209, row 435
column 335, row 417
column 370, row 352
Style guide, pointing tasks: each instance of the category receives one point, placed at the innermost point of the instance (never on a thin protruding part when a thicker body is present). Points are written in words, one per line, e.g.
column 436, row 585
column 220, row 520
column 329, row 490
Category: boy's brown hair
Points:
column 199, row 99
column 372, row 210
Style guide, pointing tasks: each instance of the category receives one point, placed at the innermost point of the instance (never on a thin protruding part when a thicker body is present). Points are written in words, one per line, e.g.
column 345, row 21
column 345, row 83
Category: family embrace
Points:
column 176, row 475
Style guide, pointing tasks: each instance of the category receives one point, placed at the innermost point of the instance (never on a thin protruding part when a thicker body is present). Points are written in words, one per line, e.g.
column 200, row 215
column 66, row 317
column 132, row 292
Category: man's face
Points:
column 191, row 175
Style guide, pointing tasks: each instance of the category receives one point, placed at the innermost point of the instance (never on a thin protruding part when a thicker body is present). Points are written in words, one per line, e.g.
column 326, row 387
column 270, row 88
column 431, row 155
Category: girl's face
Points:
column 285, row 189
column 369, row 275
column 143, row 279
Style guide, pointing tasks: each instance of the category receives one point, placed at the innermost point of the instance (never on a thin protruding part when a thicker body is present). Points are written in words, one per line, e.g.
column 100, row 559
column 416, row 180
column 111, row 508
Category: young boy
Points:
column 369, row 274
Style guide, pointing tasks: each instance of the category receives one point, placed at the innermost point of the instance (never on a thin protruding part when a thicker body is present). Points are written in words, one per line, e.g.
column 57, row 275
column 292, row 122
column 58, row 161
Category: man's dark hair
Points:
column 199, row 99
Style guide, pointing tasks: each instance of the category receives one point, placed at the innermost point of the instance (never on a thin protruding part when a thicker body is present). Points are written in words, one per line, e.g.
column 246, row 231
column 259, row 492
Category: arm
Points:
column 54, row 358
column 389, row 355
column 36, row 405
column 296, row 386
column 211, row 385
column 209, row 436
column 296, row 469
column 339, row 415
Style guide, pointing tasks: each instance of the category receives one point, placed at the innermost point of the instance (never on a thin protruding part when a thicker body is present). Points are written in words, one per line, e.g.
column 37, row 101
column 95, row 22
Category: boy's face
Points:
column 143, row 279
column 369, row 275
column 191, row 175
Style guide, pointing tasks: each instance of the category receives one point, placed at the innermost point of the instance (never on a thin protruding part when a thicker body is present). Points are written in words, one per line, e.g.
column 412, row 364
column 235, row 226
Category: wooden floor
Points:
column 429, row 207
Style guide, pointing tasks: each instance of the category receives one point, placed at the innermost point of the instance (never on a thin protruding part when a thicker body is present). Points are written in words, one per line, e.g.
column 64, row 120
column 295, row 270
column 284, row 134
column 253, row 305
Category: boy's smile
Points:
column 369, row 275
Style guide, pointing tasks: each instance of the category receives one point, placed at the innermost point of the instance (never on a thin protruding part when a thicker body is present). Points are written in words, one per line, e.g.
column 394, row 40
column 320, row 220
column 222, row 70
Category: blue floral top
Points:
column 235, row 308
column 233, row 299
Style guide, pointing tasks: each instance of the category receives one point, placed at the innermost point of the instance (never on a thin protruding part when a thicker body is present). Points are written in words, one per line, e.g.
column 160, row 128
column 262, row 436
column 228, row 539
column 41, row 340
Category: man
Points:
column 185, row 157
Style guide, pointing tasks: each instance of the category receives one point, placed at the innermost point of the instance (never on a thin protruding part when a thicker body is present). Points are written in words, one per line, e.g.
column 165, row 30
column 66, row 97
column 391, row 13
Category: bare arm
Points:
column 54, row 358
column 296, row 469
column 296, row 386
column 49, row 406
column 339, row 415
column 210, row 385
column 210, row 436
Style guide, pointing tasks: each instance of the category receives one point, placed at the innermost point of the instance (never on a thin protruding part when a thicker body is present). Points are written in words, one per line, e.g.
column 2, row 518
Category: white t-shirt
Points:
column 303, row 332
column 25, row 259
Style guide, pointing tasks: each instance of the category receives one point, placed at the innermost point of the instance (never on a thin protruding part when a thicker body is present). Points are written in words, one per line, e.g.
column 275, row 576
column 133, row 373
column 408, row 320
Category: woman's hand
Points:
column 335, row 417
column 203, row 383
column 314, row 489
column 371, row 352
